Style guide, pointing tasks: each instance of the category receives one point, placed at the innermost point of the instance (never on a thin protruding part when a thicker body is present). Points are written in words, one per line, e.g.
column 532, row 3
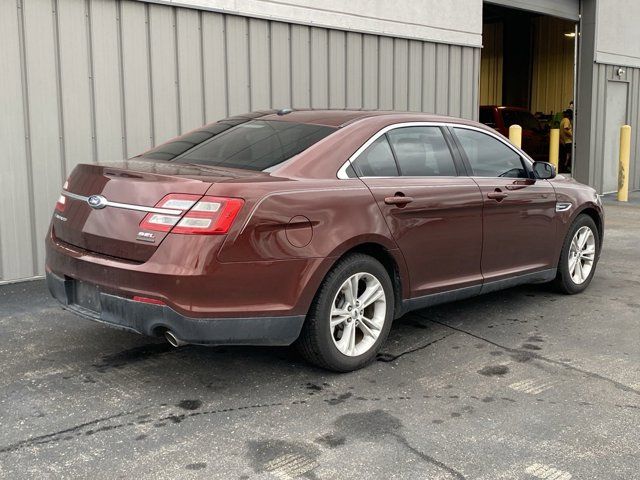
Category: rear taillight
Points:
column 61, row 203
column 204, row 216
column 162, row 222
column 62, row 200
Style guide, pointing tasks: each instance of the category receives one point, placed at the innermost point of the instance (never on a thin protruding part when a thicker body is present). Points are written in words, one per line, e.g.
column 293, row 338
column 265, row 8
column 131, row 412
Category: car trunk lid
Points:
column 131, row 189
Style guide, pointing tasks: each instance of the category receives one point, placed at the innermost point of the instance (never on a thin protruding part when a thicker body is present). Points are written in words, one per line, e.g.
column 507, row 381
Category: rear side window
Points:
column 488, row 156
column 249, row 145
column 422, row 152
column 377, row 160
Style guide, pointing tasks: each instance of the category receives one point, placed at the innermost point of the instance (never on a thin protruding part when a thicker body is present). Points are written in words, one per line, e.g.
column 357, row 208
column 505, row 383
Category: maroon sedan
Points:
column 535, row 139
column 317, row 228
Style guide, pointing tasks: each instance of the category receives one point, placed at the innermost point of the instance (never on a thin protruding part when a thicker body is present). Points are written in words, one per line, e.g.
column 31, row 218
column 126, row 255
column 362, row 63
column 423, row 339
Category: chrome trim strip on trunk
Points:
column 127, row 206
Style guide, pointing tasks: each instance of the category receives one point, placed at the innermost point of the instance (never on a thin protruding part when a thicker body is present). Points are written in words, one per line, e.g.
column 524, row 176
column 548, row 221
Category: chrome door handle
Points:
column 497, row 195
column 398, row 200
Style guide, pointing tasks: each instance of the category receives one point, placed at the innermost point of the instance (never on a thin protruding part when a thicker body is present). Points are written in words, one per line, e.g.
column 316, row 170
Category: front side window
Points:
column 376, row 160
column 422, row 152
column 249, row 145
column 488, row 156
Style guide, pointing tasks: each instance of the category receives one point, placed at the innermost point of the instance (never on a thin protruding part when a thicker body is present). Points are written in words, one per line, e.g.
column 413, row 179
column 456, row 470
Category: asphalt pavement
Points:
column 519, row 384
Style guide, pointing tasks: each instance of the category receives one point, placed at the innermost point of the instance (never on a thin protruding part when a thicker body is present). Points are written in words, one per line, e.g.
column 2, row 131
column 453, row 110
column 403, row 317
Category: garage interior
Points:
column 527, row 61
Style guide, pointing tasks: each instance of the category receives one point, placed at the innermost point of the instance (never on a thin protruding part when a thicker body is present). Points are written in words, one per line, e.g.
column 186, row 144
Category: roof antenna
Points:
column 284, row 111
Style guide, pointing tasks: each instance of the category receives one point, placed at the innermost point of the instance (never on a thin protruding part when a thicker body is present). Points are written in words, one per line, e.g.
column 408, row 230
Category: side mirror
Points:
column 544, row 170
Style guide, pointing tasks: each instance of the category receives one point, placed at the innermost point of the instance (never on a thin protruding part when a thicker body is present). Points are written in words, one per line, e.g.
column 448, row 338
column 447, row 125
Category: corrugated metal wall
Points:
column 591, row 158
column 94, row 80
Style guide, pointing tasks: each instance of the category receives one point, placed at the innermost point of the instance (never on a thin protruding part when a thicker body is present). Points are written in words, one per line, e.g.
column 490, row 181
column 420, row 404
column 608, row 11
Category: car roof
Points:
column 340, row 118
column 506, row 107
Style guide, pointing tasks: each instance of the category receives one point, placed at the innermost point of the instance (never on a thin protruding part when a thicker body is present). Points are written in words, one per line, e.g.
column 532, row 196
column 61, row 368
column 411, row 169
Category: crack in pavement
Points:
column 388, row 357
column 52, row 437
column 78, row 430
column 537, row 356
column 428, row 458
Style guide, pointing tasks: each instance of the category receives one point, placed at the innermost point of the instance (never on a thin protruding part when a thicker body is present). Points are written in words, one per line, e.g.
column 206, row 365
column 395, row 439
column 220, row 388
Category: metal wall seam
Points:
column 152, row 123
column 635, row 128
column 56, row 40
column 291, row 85
column 177, row 72
column 201, row 60
column 94, row 140
column 123, row 105
column 414, row 89
column 27, row 132
column 300, row 66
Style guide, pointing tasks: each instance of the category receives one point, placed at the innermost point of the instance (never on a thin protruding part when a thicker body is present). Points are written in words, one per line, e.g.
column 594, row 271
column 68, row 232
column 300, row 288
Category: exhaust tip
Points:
column 173, row 340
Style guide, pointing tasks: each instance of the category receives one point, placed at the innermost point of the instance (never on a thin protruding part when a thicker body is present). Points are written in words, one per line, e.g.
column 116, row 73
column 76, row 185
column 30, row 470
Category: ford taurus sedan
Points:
column 316, row 228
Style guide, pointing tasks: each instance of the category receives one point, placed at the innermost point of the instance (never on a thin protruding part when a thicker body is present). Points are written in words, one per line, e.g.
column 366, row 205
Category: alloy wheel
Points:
column 358, row 314
column 582, row 254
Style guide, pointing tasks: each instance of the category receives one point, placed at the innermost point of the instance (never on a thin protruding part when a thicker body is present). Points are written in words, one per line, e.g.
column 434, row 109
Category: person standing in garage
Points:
column 566, row 139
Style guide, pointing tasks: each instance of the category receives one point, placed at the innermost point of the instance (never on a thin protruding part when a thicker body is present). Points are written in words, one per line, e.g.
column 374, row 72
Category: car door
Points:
column 433, row 214
column 519, row 211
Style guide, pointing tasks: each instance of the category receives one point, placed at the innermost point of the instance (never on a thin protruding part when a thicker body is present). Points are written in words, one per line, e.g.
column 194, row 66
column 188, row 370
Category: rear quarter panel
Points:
column 317, row 220
column 309, row 220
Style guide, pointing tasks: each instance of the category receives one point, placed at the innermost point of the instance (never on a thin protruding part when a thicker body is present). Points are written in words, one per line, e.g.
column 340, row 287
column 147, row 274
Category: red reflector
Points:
column 153, row 301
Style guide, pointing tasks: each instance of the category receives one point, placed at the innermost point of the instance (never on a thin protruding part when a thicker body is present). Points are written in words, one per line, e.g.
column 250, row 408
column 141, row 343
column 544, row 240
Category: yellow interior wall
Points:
column 491, row 64
column 552, row 72
column 552, row 65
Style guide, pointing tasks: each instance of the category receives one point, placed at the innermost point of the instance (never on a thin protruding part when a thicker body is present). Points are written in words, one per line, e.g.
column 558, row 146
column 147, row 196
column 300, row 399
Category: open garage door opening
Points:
column 527, row 77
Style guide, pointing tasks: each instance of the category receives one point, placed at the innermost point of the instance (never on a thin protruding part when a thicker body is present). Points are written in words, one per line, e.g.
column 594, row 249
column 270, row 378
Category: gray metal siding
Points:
column 96, row 80
column 590, row 147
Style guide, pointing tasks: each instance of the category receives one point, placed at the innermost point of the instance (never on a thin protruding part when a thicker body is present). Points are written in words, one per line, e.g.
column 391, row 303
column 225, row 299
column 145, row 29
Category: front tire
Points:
column 579, row 256
column 350, row 317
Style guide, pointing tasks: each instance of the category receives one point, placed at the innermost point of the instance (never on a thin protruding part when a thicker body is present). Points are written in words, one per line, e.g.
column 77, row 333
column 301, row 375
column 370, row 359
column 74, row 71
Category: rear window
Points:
column 249, row 145
column 519, row 117
column 486, row 117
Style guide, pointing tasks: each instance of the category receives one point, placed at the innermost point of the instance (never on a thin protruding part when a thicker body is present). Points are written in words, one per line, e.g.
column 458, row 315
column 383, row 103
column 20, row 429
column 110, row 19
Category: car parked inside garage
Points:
column 535, row 138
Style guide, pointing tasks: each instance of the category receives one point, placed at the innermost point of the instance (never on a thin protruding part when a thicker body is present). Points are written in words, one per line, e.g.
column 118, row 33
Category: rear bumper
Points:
column 150, row 319
column 185, row 274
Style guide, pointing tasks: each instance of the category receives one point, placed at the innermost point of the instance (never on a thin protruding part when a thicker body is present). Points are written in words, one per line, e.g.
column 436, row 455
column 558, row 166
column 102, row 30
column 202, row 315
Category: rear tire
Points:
column 344, row 331
column 579, row 257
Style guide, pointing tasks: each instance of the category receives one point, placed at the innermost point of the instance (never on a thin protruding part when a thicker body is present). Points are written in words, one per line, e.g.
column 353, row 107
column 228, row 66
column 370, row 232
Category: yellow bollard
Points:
column 554, row 146
column 623, row 165
column 515, row 135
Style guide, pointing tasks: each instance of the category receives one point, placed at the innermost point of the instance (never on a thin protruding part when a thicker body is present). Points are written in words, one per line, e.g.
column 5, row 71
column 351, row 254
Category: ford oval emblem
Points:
column 97, row 201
